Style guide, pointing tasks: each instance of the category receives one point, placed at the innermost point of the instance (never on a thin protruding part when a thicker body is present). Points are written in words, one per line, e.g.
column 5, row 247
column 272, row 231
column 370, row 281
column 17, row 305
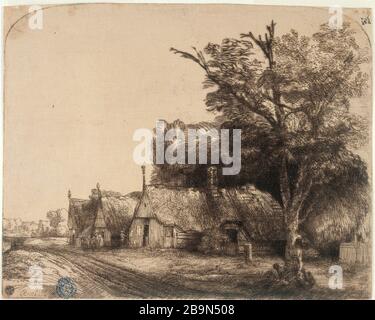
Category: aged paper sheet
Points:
column 187, row 151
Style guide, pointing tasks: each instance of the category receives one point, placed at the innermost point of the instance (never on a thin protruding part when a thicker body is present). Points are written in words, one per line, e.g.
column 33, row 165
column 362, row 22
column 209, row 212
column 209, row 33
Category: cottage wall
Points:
column 156, row 233
column 136, row 233
column 170, row 237
column 107, row 238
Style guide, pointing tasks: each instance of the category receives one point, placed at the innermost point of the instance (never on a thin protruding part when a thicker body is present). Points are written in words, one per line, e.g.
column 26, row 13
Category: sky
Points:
column 76, row 90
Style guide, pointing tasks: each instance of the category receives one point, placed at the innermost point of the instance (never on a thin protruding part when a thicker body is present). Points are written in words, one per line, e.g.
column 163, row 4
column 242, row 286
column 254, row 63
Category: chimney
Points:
column 143, row 177
column 98, row 189
column 212, row 180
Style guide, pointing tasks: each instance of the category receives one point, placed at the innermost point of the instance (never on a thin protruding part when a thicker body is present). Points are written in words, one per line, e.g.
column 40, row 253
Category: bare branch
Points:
column 264, row 45
column 188, row 55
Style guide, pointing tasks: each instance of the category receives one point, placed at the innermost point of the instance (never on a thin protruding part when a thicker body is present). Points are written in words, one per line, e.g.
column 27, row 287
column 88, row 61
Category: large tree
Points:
column 291, row 97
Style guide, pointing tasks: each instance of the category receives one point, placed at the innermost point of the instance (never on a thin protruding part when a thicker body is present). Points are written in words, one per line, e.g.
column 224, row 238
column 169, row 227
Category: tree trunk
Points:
column 292, row 204
column 293, row 254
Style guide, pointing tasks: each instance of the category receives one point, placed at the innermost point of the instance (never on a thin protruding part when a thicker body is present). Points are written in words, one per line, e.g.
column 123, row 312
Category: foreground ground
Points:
column 127, row 273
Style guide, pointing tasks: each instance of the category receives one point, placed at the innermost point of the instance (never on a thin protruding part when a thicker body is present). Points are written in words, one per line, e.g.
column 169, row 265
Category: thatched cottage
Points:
column 105, row 212
column 179, row 217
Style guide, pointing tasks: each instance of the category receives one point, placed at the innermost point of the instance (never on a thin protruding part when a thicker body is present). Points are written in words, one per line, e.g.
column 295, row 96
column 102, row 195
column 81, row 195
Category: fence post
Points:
column 248, row 252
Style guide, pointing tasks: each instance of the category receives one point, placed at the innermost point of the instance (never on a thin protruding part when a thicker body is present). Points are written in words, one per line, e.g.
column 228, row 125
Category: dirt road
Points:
column 121, row 281
column 95, row 276
column 157, row 274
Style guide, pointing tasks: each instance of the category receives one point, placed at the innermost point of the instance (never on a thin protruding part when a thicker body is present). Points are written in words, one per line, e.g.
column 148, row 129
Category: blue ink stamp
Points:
column 66, row 288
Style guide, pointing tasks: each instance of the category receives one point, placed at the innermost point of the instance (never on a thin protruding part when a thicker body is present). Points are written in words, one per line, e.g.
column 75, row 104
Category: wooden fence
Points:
column 355, row 252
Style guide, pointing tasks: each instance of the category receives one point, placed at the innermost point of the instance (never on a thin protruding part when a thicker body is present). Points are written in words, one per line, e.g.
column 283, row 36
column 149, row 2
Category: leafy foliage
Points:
column 291, row 96
column 294, row 103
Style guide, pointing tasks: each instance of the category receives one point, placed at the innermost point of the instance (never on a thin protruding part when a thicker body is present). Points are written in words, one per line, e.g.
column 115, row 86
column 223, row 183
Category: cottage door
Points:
column 232, row 242
column 146, row 231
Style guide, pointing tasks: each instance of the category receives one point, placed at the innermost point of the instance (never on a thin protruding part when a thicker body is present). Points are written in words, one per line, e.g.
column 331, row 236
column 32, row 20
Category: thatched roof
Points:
column 111, row 210
column 81, row 213
column 260, row 214
column 118, row 211
column 185, row 208
column 196, row 209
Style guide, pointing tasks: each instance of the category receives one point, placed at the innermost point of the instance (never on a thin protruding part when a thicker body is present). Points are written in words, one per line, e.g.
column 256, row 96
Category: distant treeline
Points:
column 54, row 226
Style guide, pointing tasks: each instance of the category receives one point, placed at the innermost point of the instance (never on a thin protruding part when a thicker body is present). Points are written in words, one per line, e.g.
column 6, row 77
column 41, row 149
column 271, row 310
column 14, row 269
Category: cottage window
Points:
column 138, row 230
